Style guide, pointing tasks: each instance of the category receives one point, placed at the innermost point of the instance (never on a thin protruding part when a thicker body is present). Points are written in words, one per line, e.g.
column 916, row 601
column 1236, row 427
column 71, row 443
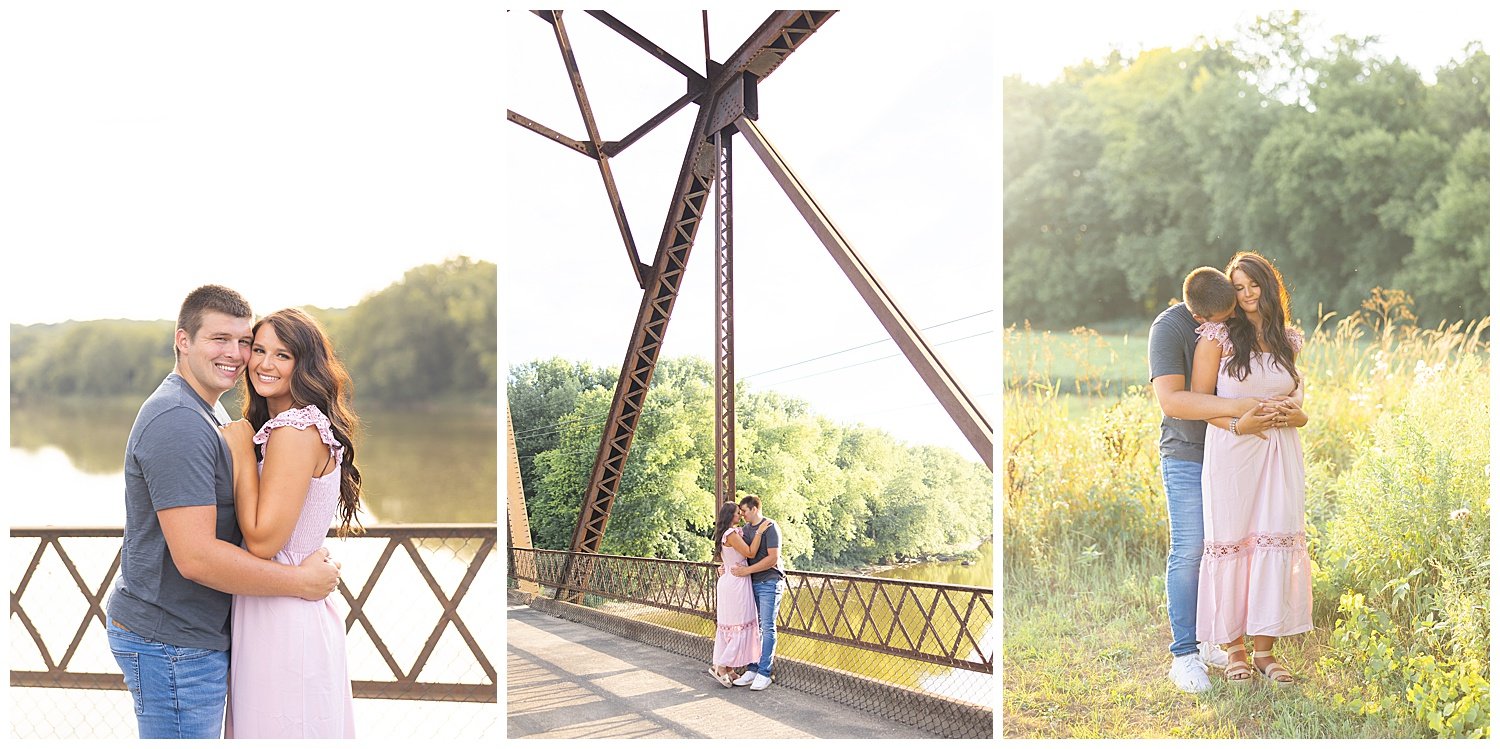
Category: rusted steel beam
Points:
column 651, row 47
column 517, row 522
column 778, row 36
column 581, row 96
column 614, row 147
column 724, row 489
column 963, row 409
column 587, row 149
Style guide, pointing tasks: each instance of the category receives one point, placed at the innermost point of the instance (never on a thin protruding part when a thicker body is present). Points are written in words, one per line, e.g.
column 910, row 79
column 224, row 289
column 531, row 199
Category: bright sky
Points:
column 1039, row 40
column 894, row 130
column 302, row 153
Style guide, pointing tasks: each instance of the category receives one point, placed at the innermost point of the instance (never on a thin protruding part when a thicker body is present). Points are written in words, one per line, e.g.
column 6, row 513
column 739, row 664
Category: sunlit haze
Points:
column 302, row 153
column 1036, row 41
column 891, row 127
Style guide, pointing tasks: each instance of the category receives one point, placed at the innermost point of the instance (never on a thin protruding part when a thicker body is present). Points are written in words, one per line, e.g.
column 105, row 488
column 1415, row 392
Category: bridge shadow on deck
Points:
column 569, row 681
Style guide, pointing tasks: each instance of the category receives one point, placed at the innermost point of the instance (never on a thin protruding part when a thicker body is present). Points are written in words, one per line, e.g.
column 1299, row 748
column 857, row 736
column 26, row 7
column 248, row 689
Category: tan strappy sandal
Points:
column 1237, row 672
column 1274, row 671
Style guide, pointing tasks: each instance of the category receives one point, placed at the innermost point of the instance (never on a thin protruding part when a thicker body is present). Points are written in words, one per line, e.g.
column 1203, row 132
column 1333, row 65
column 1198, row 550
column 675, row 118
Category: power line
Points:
column 864, row 345
column 546, row 430
column 871, row 361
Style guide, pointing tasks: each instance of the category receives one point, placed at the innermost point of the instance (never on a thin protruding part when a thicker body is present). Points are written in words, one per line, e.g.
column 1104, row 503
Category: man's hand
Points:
column 1256, row 421
column 721, row 570
column 320, row 576
column 740, row 571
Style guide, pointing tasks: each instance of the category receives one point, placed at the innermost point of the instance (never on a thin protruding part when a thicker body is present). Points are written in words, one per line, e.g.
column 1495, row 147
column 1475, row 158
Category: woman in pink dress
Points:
column 737, row 641
column 1255, row 577
column 288, row 675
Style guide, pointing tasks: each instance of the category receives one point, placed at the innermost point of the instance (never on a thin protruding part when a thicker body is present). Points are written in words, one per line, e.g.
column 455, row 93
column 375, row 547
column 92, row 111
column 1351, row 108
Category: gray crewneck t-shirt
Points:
column 174, row 457
column 1174, row 338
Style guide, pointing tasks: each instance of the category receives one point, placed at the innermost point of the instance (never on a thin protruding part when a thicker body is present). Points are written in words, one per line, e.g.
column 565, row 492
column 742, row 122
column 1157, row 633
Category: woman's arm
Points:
column 1206, row 360
column 267, row 510
column 736, row 541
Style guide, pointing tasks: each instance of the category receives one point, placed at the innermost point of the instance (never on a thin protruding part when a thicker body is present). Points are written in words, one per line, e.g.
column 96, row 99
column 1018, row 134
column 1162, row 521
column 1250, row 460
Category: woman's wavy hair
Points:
column 726, row 516
column 318, row 379
column 1275, row 310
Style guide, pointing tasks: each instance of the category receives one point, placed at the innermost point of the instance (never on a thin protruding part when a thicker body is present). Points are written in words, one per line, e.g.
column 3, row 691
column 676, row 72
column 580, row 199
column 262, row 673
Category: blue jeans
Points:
column 178, row 692
column 767, row 601
column 1183, row 480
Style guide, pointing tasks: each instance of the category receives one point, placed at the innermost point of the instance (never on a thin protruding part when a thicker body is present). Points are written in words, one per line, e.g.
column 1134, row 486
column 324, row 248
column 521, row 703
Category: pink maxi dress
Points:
column 1255, row 578
column 288, row 675
column 738, row 639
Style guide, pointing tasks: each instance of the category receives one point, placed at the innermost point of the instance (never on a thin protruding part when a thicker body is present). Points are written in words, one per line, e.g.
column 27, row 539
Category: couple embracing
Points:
column 748, row 548
column 223, row 595
column 1224, row 369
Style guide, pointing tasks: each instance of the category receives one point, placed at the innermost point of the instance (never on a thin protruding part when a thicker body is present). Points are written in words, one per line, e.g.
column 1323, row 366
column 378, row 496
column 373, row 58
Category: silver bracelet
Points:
column 1234, row 425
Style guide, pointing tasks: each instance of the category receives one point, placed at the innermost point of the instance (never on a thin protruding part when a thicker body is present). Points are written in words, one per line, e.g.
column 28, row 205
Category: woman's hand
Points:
column 1290, row 414
column 237, row 434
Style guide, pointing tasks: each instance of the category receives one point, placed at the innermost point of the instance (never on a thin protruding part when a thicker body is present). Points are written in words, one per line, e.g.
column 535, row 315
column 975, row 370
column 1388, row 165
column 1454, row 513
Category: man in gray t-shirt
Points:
column 1209, row 297
column 168, row 615
column 768, row 582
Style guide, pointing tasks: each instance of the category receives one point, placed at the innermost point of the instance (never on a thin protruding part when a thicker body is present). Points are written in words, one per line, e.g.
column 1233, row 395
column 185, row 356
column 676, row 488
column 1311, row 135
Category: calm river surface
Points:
column 419, row 467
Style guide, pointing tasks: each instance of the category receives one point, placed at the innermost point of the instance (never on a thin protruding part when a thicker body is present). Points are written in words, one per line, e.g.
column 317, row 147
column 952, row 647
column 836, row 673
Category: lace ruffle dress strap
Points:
column 1219, row 332
column 300, row 419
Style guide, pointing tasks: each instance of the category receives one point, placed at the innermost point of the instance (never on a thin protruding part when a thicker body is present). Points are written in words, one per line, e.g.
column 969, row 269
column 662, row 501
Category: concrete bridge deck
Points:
column 569, row 681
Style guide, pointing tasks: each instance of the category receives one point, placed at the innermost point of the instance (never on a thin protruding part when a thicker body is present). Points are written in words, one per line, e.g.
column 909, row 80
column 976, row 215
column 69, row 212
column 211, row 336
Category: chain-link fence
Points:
column 420, row 603
column 921, row 653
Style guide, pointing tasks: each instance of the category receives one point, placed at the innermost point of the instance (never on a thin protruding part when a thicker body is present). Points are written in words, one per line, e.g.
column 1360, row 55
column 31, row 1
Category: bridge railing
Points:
column 407, row 589
column 929, row 637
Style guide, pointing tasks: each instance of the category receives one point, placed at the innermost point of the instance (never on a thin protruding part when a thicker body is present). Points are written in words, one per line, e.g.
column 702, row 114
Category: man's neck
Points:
column 210, row 397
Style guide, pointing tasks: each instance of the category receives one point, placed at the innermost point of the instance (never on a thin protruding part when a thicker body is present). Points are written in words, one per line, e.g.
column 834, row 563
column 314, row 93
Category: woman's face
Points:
column 1246, row 291
column 739, row 515
column 271, row 365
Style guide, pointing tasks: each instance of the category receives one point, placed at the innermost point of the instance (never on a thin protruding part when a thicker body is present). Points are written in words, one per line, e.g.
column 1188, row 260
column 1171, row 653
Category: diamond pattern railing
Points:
column 428, row 555
column 945, row 625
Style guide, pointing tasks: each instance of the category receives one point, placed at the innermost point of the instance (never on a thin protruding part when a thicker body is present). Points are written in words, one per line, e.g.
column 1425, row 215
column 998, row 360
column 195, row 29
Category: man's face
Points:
column 752, row 514
column 214, row 359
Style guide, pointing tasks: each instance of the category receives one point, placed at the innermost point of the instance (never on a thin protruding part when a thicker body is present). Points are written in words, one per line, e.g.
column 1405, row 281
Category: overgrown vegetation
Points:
column 844, row 495
column 1397, row 457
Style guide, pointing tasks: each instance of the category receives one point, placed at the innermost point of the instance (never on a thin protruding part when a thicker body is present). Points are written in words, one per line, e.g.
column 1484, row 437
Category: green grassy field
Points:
column 1397, row 508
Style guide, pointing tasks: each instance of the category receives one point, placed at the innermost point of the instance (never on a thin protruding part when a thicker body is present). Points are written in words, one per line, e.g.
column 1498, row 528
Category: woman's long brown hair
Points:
column 1275, row 308
column 726, row 516
column 318, row 379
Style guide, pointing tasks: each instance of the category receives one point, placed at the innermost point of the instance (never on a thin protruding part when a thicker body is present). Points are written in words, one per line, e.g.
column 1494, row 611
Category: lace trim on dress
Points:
column 302, row 418
column 734, row 629
column 1278, row 541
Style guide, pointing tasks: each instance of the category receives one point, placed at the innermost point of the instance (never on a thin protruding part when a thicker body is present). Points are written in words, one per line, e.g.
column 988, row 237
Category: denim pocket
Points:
column 188, row 654
column 130, row 665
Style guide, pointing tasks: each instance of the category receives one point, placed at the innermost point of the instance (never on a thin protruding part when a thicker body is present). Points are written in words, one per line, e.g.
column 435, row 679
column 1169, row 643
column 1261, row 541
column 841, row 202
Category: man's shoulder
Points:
column 1173, row 322
column 170, row 419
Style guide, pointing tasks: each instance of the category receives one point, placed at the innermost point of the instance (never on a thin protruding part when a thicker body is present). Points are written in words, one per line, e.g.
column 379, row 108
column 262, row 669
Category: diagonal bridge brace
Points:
column 776, row 38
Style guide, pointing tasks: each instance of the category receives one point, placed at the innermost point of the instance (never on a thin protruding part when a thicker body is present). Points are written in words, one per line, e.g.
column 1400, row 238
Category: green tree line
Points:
column 844, row 495
column 1342, row 165
column 428, row 337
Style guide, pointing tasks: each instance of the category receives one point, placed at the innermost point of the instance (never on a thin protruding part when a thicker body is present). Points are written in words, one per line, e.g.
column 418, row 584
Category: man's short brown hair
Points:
column 1207, row 291
column 209, row 298
column 750, row 500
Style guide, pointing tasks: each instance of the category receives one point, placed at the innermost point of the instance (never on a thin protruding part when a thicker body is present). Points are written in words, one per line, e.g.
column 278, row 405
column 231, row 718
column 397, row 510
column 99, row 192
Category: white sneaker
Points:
column 1189, row 673
column 761, row 682
column 745, row 679
column 1213, row 655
